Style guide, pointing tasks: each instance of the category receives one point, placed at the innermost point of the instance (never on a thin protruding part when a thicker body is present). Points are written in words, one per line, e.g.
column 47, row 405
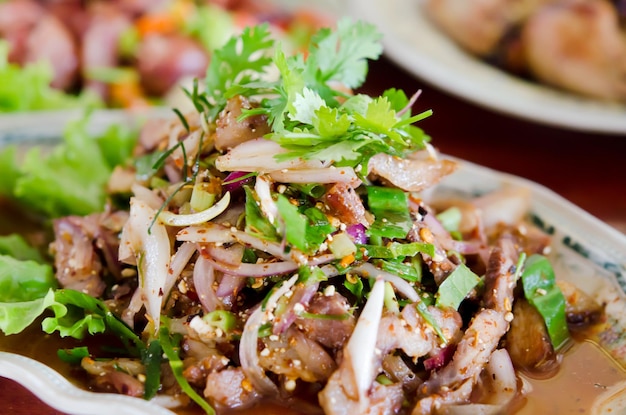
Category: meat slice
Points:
column 412, row 175
column 345, row 203
column 329, row 333
column 412, row 334
column 52, row 42
column 229, row 388
column 231, row 132
column 85, row 248
column 578, row 46
column 500, row 278
column 454, row 383
column 164, row 60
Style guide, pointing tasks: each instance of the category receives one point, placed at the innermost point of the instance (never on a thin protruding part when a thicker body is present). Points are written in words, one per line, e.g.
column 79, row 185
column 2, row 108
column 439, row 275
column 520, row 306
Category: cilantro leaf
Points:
column 341, row 55
column 241, row 60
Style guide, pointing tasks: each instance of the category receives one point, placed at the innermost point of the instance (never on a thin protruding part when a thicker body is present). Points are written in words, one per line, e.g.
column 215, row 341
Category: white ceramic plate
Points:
column 586, row 251
column 413, row 42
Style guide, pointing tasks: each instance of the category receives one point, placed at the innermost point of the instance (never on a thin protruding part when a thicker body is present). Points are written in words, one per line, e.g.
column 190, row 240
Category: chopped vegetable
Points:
column 456, row 286
column 541, row 290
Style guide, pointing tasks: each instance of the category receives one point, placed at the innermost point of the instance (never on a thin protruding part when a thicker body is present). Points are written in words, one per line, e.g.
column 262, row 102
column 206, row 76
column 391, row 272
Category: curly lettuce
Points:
column 28, row 88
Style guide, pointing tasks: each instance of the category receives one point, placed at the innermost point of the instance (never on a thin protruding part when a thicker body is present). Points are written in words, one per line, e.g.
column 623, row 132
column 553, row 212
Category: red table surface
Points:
column 586, row 168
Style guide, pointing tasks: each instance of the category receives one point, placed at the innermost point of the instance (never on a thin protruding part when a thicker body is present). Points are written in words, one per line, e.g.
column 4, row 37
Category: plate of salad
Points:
column 290, row 245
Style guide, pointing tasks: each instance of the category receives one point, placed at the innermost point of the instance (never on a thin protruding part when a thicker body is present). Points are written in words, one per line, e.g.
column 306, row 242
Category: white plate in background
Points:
column 413, row 42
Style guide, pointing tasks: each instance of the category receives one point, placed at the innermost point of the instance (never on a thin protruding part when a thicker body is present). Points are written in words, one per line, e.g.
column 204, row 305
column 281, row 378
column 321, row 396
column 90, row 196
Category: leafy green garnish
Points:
column 24, row 280
column 240, row 61
column 310, row 112
column 456, row 286
column 170, row 345
column 390, row 207
column 541, row 291
column 16, row 246
column 73, row 356
column 71, row 179
column 396, row 250
column 256, row 223
column 305, row 231
column 151, row 359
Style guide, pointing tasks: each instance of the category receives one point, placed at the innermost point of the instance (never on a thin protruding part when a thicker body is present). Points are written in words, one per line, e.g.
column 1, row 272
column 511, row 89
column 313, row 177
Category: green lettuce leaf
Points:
column 24, row 280
column 28, row 88
column 16, row 246
column 71, row 178
column 15, row 317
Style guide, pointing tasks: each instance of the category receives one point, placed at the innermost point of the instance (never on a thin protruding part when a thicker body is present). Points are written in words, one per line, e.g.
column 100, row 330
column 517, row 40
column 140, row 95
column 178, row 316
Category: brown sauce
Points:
column 586, row 372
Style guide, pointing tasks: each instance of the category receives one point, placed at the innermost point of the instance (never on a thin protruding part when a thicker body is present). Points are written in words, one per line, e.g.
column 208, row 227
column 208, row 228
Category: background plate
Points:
column 412, row 41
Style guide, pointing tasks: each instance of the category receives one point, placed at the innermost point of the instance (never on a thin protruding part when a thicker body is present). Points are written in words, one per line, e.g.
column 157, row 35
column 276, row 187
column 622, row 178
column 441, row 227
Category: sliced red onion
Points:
column 302, row 294
column 220, row 258
column 203, row 278
column 206, row 233
column 255, row 270
column 401, row 286
column 149, row 242
column 228, row 288
column 259, row 155
column 214, row 233
column 267, row 204
column 440, row 359
column 231, row 255
column 502, row 374
column 173, row 219
column 236, row 179
column 147, row 196
column 319, row 175
column 248, row 355
column 128, row 316
column 446, row 240
column 179, row 261
column 357, row 233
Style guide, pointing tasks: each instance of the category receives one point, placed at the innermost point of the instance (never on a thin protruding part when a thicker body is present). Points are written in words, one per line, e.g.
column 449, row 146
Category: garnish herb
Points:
column 541, row 290
column 422, row 309
column 171, row 348
column 151, row 359
column 456, row 286
column 390, row 207
column 73, row 356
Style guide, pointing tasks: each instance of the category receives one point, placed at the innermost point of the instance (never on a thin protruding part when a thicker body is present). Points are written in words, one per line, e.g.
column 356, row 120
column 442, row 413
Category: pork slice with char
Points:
column 84, row 249
column 229, row 389
column 328, row 332
column 454, row 382
column 231, row 132
column 346, row 204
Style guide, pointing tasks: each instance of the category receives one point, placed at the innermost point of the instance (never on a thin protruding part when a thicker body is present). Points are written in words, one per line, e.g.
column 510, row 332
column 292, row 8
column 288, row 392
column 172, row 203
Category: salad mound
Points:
column 280, row 243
